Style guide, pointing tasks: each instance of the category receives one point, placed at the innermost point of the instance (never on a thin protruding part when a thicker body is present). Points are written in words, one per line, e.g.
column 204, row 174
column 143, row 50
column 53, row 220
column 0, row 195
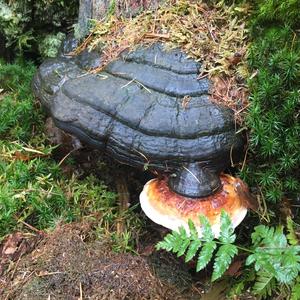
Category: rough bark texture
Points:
column 91, row 9
column 130, row 8
column 98, row 9
column 4, row 52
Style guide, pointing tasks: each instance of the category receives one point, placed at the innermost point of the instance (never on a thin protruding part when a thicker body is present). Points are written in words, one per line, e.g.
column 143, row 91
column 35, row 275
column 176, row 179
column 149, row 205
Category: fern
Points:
column 264, row 285
column 195, row 244
column 190, row 245
column 227, row 235
column 193, row 249
column 295, row 293
column 210, row 245
column 205, row 255
column 223, row 260
column 273, row 255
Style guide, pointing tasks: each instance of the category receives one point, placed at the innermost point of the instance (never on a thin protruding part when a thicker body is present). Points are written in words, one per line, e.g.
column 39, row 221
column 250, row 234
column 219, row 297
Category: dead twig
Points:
column 31, row 227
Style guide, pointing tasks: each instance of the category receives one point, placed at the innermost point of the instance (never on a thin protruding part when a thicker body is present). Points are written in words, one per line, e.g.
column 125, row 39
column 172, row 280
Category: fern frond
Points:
column 205, row 255
column 179, row 237
column 264, row 284
column 188, row 242
column 223, row 259
column 227, row 235
column 193, row 230
column 184, row 245
column 260, row 233
column 295, row 293
column 273, row 255
column 207, row 233
column 193, row 249
column 177, row 242
column 166, row 243
column 289, row 266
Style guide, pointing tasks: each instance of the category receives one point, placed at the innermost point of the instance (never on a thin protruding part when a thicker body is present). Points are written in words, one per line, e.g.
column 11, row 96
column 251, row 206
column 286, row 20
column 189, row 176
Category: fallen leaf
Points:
column 235, row 269
column 9, row 250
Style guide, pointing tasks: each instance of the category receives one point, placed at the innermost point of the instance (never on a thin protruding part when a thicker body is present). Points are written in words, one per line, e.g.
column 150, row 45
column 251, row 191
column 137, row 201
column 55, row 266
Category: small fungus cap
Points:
column 171, row 210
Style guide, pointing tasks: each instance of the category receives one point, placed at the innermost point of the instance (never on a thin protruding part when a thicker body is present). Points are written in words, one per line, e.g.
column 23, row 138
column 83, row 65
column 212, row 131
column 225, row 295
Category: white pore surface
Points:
column 174, row 223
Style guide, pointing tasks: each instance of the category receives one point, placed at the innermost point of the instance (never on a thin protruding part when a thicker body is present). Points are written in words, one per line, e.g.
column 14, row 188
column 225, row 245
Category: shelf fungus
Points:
column 171, row 210
column 149, row 107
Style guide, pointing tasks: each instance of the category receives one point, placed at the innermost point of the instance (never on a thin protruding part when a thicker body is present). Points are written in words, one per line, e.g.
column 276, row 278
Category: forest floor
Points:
column 70, row 222
column 72, row 262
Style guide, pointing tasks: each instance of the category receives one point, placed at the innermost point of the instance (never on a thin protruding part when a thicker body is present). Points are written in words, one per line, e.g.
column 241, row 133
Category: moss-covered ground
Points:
column 44, row 186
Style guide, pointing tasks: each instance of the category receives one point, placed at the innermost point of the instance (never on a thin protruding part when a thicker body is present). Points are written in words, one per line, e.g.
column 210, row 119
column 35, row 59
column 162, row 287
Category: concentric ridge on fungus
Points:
column 148, row 107
column 135, row 109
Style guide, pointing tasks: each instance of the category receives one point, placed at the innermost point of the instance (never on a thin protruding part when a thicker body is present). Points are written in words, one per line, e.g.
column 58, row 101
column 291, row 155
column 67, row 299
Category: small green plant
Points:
column 49, row 46
column 182, row 242
column 273, row 115
column 20, row 114
column 25, row 24
column 275, row 257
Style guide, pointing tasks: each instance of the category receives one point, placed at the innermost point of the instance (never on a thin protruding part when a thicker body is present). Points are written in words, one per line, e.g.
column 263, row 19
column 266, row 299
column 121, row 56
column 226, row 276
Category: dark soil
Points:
column 70, row 264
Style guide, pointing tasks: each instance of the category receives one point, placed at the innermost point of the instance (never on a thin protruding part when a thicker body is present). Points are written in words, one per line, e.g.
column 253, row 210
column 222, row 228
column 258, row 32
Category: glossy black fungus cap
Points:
column 146, row 108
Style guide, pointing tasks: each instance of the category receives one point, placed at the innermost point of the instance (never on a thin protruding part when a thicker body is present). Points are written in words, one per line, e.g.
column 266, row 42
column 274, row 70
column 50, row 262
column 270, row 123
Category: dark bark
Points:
column 4, row 52
column 98, row 9
column 130, row 8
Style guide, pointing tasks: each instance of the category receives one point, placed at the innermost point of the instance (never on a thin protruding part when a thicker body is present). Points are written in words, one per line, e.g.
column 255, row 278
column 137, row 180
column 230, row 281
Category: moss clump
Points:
column 273, row 116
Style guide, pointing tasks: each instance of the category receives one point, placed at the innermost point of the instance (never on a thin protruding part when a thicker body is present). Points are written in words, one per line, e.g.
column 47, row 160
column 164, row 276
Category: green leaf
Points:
column 193, row 248
column 177, row 242
column 288, row 267
column 223, row 259
column 295, row 293
column 269, row 237
column 273, row 255
column 227, row 232
column 207, row 233
column 193, row 230
column 166, row 243
column 205, row 255
column 183, row 247
column 250, row 259
column 178, row 239
column 264, row 284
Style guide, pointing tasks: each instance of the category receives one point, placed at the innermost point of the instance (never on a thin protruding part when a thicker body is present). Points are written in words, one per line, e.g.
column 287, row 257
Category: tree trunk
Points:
column 98, row 9
column 6, row 54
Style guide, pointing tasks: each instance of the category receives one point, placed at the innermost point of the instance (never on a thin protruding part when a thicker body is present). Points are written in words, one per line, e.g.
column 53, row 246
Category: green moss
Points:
column 34, row 190
column 19, row 113
column 278, row 12
column 273, row 116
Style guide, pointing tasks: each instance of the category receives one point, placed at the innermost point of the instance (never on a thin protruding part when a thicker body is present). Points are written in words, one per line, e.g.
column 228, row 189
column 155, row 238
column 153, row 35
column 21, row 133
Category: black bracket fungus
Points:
column 136, row 111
